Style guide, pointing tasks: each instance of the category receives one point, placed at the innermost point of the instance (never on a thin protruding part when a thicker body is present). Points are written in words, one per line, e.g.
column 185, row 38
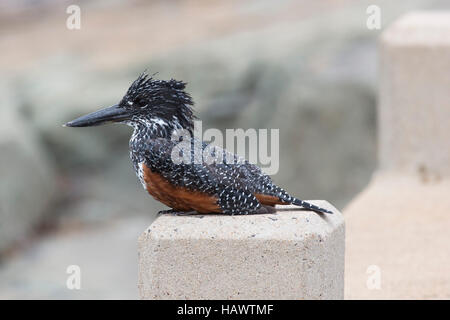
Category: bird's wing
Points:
column 181, row 166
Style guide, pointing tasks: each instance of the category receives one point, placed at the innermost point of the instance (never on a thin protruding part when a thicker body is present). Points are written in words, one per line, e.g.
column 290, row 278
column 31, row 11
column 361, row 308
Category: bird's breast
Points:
column 177, row 197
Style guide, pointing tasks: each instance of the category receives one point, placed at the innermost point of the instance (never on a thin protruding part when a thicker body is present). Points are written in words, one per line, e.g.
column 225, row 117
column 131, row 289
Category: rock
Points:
column 51, row 95
column 293, row 254
column 40, row 272
column 27, row 181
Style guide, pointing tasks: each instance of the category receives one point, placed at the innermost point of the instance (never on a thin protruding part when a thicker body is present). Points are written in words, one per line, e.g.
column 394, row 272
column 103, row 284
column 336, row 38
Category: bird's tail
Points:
column 309, row 206
column 288, row 199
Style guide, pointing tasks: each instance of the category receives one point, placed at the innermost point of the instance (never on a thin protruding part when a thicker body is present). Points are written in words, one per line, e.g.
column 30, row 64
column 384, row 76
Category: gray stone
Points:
column 27, row 181
column 39, row 272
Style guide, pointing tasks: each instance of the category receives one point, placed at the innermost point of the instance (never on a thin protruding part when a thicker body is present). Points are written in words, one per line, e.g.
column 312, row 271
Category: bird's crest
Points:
column 164, row 99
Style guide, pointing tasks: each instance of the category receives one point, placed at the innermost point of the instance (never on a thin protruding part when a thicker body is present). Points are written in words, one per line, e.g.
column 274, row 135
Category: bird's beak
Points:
column 114, row 113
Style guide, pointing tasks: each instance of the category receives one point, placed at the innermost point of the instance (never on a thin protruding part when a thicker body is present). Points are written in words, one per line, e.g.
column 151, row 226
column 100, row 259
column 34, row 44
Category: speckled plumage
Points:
column 178, row 170
column 161, row 108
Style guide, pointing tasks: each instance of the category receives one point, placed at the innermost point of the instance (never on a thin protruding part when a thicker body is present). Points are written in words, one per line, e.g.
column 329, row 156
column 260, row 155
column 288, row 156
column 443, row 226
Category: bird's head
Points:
column 147, row 102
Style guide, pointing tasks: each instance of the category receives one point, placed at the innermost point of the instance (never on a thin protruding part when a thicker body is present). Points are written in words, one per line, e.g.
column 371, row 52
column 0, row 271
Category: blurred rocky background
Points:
column 70, row 196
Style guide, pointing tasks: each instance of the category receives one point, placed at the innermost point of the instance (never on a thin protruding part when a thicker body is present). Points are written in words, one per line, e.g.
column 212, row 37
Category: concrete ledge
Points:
column 399, row 226
column 293, row 254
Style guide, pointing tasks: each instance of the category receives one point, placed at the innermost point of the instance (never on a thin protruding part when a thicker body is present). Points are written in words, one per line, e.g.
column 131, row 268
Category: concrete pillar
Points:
column 398, row 244
column 414, row 100
column 293, row 254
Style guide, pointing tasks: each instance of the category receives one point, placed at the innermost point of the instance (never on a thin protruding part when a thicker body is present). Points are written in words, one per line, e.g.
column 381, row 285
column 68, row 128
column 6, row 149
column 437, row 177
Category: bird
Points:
column 158, row 110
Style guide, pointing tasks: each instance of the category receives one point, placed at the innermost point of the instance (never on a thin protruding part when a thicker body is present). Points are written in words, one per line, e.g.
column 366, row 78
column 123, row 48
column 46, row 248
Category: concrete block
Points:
column 414, row 102
column 397, row 240
column 293, row 254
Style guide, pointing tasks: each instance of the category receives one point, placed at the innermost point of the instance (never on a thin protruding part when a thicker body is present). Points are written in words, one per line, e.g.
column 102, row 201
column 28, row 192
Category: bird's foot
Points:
column 177, row 213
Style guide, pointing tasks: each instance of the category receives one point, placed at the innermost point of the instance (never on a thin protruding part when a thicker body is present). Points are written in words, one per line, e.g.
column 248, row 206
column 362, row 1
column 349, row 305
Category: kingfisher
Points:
column 158, row 111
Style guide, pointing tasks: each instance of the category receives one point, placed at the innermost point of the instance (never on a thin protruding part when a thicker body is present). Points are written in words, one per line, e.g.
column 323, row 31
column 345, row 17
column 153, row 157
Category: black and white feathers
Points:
column 160, row 109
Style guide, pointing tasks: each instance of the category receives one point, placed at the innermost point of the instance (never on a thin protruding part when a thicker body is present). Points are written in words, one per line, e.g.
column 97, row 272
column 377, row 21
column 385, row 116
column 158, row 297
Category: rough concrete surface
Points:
column 398, row 240
column 408, row 242
column 414, row 108
column 293, row 254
